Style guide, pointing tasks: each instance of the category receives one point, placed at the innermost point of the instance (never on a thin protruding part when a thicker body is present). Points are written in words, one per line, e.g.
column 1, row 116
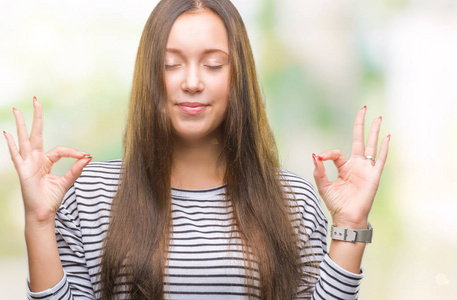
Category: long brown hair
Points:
column 142, row 206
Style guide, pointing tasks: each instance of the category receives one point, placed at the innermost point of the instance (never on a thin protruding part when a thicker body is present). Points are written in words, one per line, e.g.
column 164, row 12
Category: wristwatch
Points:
column 352, row 235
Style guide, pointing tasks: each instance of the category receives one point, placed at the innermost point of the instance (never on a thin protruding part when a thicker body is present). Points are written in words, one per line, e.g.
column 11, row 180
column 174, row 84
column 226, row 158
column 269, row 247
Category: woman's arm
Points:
column 322, row 278
column 350, row 198
column 76, row 281
column 45, row 268
column 42, row 194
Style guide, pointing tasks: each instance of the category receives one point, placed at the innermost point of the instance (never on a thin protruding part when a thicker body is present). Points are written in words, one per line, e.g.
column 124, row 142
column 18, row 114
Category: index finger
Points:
column 15, row 156
column 358, row 144
column 36, row 136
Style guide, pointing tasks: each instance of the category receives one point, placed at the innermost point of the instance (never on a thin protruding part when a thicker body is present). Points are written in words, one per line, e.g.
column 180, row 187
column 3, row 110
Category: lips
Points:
column 192, row 108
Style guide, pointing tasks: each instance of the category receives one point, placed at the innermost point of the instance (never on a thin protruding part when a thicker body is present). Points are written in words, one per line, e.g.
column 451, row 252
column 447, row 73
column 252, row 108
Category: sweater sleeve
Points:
column 321, row 278
column 334, row 282
column 76, row 283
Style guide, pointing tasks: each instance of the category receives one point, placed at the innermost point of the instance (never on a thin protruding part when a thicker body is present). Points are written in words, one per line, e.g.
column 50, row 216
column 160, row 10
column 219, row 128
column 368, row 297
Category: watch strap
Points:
column 352, row 235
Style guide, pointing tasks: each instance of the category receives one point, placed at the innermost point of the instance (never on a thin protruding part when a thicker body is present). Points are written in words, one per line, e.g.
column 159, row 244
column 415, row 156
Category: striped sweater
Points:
column 205, row 259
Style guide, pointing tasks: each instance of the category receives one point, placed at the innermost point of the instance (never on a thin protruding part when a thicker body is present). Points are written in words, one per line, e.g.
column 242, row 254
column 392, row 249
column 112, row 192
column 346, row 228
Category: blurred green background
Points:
column 318, row 63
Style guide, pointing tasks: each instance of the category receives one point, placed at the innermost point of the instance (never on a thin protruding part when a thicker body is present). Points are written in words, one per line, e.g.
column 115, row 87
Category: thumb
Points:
column 75, row 171
column 319, row 173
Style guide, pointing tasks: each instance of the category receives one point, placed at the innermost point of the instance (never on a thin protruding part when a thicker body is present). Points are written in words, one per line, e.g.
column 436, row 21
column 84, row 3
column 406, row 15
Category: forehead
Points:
column 193, row 31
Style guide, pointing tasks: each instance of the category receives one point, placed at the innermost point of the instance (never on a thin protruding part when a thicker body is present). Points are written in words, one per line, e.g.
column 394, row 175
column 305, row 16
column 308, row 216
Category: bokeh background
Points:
column 318, row 63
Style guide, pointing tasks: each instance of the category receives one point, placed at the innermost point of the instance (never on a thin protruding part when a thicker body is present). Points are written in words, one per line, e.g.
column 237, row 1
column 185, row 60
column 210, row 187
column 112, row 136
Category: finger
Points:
column 383, row 154
column 36, row 136
column 372, row 143
column 75, row 171
column 57, row 153
column 15, row 156
column 336, row 156
column 22, row 136
column 319, row 173
column 358, row 145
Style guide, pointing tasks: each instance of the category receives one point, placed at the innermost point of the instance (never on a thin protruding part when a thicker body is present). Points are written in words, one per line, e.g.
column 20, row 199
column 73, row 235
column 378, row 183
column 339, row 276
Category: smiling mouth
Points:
column 192, row 108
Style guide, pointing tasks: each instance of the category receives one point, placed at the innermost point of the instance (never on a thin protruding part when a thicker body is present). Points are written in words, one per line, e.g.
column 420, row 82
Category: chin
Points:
column 187, row 134
column 195, row 132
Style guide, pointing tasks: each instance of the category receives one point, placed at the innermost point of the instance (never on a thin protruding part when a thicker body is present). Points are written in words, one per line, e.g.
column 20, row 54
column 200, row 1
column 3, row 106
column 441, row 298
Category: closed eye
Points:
column 218, row 67
column 170, row 66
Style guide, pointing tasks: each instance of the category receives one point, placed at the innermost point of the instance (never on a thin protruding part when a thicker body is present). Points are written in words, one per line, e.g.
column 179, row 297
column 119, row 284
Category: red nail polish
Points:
column 365, row 107
column 14, row 109
column 34, row 99
column 388, row 137
column 314, row 159
column 380, row 117
column 4, row 133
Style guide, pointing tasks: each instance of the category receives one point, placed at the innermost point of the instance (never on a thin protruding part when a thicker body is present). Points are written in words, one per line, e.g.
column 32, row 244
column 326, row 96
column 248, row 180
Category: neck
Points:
column 197, row 164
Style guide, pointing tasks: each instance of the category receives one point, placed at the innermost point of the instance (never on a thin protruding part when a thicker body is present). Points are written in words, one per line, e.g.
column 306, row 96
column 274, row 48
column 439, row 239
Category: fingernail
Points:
column 314, row 160
column 365, row 107
column 388, row 137
column 4, row 133
column 380, row 117
column 34, row 99
column 84, row 153
column 90, row 158
column 14, row 109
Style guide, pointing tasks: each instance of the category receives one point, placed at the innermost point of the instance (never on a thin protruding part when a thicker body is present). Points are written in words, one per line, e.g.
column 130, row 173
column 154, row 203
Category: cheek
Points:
column 223, row 96
column 223, row 86
column 171, row 85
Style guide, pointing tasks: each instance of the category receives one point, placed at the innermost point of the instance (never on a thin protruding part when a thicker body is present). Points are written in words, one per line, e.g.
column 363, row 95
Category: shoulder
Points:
column 100, row 172
column 303, row 197
column 292, row 181
column 99, row 179
column 93, row 191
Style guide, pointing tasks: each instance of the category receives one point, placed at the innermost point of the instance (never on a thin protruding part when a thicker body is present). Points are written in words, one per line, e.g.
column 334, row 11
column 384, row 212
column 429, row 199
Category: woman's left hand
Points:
column 350, row 197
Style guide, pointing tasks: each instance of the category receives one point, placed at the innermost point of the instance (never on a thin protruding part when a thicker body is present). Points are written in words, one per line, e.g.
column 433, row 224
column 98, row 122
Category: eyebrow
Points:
column 206, row 51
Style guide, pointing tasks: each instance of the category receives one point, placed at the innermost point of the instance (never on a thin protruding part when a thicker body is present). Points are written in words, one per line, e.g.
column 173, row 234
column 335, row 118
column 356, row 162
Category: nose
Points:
column 192, row 82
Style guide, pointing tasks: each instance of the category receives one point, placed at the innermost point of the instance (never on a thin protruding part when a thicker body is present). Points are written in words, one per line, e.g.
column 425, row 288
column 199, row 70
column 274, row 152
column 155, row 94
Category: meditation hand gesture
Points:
column 350, row 197
column 42, row 191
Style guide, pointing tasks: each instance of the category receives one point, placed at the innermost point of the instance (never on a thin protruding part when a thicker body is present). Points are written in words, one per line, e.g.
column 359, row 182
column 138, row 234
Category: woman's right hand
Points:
column 42, row 191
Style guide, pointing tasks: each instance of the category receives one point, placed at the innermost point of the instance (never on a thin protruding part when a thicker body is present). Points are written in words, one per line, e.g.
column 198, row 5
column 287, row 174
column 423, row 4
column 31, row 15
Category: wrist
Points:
column 40, row 217
column 351, row 223
column 34, row 224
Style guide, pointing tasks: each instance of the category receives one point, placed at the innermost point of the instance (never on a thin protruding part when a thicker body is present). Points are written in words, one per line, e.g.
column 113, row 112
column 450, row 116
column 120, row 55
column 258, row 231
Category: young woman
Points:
column 198, row 207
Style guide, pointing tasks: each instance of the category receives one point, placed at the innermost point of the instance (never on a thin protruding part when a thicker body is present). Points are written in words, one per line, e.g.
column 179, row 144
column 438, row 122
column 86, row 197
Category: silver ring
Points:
column 370, row 158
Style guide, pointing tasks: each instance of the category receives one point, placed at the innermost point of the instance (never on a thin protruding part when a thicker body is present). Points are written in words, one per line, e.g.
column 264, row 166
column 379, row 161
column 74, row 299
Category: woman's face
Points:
column 197, row 75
